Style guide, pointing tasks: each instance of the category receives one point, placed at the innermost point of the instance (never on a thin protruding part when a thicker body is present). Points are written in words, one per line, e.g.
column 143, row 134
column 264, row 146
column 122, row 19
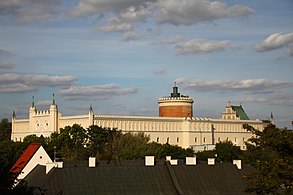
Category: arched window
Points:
column 158, row 139
column 177, row 139
column 204, row 140
column 195, row 139
column 168, row 139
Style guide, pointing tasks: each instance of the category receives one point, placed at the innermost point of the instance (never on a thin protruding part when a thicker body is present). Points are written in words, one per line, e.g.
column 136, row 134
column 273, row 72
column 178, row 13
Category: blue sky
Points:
column 122, row 55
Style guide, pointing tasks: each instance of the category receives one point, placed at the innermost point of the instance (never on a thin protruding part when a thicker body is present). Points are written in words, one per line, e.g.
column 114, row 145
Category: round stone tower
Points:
column 176, row 105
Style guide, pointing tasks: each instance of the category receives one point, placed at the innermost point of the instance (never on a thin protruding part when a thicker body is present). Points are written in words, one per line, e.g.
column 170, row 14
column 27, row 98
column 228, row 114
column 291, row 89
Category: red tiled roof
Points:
column 24, row 158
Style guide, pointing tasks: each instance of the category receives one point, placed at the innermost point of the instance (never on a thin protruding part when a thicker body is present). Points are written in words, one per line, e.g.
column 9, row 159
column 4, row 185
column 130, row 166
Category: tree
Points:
column 70, row 141
column 130, row 146
column 224, row 151
column 227, row 152
column 9, row 153
column 5, row 129
column 100, row 141
column 271, row 152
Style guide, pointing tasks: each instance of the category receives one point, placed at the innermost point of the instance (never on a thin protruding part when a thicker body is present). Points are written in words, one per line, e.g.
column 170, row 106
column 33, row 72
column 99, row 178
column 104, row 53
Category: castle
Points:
column 175, row 124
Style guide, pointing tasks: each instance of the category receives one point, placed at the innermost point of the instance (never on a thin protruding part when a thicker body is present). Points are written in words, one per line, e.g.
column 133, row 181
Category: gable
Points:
column 35, row 154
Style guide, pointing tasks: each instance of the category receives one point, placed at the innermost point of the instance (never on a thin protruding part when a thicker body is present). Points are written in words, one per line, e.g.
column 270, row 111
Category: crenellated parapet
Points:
column 175, row 105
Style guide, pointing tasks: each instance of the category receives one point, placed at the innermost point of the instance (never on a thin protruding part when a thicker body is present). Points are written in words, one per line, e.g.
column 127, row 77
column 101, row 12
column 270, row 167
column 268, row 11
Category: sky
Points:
column 120, row 56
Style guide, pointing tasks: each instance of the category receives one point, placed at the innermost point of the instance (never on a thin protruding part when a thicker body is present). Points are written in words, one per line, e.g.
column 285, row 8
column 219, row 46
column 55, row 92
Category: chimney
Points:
column 237, row 163
column 190, row 160
column 51, row 165
column 149, row 160
column 92, row 161
column 211, row 161
column 174, row 162
column 168, row 158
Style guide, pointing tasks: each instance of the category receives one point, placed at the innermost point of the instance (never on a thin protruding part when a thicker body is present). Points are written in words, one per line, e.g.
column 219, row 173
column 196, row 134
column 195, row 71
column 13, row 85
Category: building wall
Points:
column 184, row 131
column 175, row 111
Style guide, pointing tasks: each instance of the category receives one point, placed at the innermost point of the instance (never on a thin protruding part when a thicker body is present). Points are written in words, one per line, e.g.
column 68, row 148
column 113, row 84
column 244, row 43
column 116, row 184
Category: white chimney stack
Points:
column 149, row 161
column 211, row 161
column 92, row 161
column 237, row 163
column 190, row 160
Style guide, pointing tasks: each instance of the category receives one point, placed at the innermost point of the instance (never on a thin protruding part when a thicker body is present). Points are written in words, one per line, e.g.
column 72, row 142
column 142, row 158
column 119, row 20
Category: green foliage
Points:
column 224, row 151
column 9, row 152
column 271, row 152
column 227, row 152
column 100, row 141
column 70, row 141
column 204, row 155
column 5, row 129
column 130, row 146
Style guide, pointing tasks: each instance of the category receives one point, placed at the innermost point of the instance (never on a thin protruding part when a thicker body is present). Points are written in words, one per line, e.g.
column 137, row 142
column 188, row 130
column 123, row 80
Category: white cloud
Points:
column 172, row 41
column 96, row 92
column 131, row 36
column 5, row 53
column 16, row 83
column 125, row 20
column 254, row 86
column 282, row 99
column 160, row 71
column 187, row 12
column 275, row 41
column 92, row 7
column 6, row 65
column 200, row 46
column 116, row 26
column 27, row 11
column 184, row 46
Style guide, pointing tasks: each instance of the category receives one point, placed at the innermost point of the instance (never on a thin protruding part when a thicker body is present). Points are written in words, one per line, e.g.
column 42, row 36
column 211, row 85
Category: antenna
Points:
column 53, row 99
column 33, row 101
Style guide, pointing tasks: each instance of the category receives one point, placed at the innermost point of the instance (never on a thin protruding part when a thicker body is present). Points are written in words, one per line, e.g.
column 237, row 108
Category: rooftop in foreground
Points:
column 133, row 177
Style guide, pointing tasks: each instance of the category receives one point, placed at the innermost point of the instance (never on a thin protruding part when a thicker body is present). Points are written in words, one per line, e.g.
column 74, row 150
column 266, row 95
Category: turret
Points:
column 91, row 116
column 272, row 120
column 176, row 105
column 54, row 115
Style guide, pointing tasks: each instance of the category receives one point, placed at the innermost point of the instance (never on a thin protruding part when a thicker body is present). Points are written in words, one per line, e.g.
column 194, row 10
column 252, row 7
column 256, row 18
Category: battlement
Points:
column 42, row 112
column 182, row 98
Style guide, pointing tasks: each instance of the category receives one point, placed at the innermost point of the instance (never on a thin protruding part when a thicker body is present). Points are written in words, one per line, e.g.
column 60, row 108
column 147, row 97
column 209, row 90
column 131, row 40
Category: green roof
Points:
column 240, row 112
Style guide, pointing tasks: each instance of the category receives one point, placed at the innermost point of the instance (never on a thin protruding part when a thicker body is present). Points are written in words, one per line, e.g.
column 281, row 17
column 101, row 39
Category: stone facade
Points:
column 172, row 128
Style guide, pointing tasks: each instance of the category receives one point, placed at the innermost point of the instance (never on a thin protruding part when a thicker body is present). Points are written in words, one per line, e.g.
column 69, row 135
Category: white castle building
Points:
column 174, row 125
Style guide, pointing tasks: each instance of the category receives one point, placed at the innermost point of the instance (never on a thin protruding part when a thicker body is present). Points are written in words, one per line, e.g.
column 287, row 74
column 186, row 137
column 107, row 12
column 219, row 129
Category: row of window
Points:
column 204, row 139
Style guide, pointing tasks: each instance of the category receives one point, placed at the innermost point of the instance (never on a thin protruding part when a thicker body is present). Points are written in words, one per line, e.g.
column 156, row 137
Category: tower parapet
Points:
column 175, row 105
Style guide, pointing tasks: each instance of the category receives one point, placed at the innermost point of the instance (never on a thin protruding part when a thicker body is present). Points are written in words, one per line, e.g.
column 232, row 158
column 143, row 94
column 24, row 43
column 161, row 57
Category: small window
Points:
column 219, row 139
column 177, row 139
column 168, row 139
column 204, row 140
column 235, row 139
column 195, row 139
column 158, row 139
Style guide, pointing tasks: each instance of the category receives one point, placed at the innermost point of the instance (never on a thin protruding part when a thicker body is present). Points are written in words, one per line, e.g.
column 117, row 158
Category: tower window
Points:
column 195, row 139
